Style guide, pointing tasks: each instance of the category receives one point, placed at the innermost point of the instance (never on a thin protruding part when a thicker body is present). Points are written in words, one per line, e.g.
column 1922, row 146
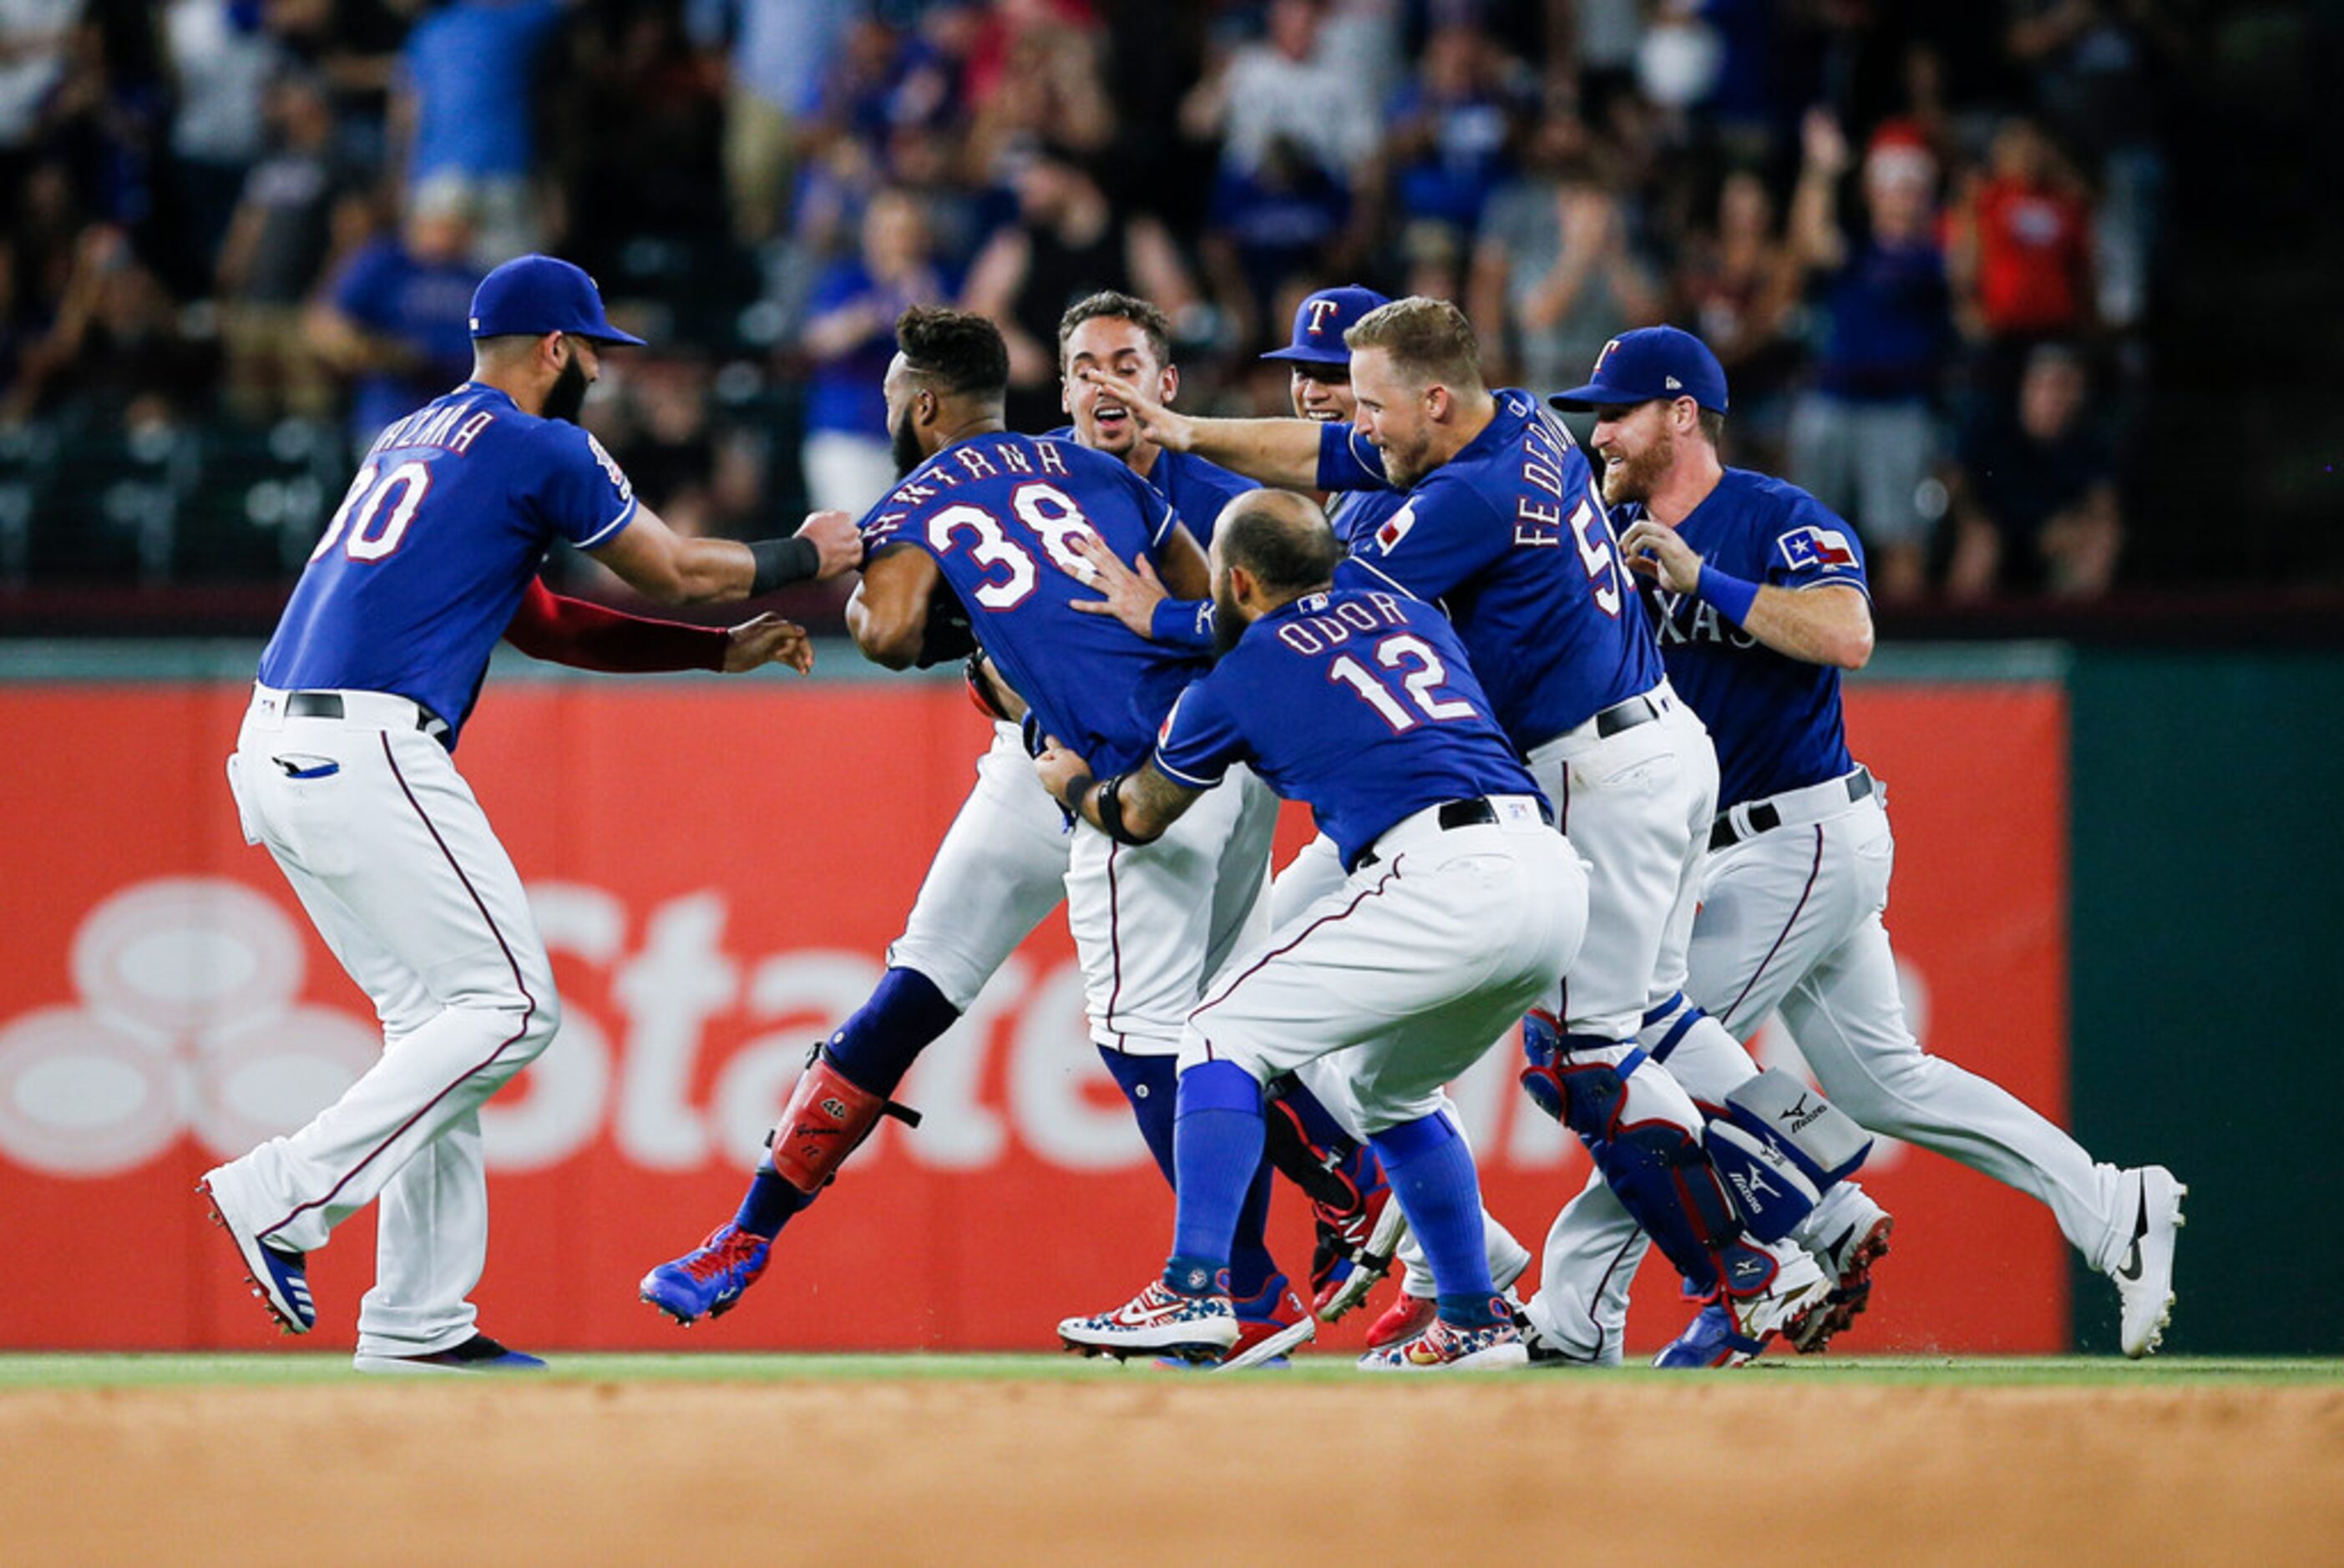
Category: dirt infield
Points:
column 1143, row 1466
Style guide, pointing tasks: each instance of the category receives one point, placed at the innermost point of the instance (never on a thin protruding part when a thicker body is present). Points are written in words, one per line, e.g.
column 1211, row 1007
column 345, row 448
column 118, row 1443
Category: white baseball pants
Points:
column 1153, row 923
column 388, row 850
column 1410, row 968
column 1315, row 872
column 1001, row 868
column 1791, row 920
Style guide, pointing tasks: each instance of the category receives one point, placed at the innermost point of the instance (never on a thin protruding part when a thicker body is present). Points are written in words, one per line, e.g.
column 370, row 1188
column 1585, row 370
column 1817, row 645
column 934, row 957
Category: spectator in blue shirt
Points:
column 850, row 336
column 469, row 76
column 1863, row 439
column 397, row 318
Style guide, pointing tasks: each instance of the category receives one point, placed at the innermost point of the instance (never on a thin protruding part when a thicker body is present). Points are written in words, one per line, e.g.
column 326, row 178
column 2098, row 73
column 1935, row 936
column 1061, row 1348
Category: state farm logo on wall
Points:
column 187, row 1020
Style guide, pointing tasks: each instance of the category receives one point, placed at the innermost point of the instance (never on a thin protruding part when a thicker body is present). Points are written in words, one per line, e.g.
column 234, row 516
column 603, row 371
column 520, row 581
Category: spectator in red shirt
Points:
column 2022, row 253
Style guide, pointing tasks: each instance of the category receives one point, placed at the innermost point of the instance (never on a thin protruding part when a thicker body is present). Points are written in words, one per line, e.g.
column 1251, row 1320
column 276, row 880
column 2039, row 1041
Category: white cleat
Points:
column 2144, row 1275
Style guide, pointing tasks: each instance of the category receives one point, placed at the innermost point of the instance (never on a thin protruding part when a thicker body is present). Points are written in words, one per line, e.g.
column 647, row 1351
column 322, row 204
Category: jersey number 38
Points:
column 1051, row 518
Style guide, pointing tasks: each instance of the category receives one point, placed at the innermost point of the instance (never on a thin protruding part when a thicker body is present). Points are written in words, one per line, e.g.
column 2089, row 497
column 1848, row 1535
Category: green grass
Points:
column 49, row 1371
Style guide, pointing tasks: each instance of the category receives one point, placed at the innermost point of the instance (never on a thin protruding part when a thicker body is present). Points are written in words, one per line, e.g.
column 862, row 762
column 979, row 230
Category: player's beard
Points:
column 1403, row 467
column 905, row 443
column 566, row 399
column 1633, row 478
column 1226, row 626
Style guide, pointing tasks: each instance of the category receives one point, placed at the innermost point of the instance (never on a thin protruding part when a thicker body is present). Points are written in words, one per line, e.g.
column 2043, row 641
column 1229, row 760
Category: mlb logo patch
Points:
column 1395, row 528
column 1816, row 548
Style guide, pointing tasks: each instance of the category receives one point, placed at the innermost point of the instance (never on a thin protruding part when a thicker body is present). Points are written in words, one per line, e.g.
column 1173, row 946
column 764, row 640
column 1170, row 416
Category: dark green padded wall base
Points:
column 2209, row 978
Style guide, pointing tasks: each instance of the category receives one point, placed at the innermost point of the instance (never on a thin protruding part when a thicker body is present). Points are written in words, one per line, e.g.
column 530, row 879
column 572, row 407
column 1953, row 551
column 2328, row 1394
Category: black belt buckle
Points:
column 313, row 704
column 1475, row 813
column 329, row 705
column 1624, row 716
column 1765, row 818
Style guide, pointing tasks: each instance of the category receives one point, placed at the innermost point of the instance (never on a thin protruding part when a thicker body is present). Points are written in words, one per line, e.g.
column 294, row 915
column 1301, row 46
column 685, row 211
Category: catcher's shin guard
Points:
column 1649, row 1149
column 828, row 1116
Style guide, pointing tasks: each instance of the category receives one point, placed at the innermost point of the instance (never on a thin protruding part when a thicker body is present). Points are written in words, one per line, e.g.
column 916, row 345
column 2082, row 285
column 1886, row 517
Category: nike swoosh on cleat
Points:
column 2129, row 1270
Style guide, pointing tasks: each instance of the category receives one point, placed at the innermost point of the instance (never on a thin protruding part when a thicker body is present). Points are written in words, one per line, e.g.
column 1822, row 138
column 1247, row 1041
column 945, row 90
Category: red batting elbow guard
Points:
column 827, row 1118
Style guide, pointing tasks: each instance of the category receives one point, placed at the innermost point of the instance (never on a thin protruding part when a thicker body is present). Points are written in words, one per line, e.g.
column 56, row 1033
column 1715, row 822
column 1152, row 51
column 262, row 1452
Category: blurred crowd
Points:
column 1926, row 239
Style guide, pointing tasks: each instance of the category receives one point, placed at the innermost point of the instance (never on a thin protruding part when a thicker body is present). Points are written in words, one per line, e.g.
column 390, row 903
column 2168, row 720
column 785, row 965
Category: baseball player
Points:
column 1500, row 525
column 1002, row 867
column 343, row 769
column 1359, row 1233
column 1460, row 906
column 1760, row 596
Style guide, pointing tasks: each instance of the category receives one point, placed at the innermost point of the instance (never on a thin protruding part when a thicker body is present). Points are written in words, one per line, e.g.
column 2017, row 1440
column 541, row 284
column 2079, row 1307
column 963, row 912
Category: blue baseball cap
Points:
column 1650, row 362
column 531, row 294
column 1320, row 322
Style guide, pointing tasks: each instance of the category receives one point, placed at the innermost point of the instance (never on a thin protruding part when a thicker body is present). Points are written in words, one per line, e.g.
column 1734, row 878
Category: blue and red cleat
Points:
column 706, row 1282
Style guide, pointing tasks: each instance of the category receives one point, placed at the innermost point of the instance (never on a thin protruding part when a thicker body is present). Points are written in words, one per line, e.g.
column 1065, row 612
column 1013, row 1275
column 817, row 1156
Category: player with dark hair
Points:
column 1500, row 523
column 1003, row 865
column 1759, row 594
column 1359, row 1236
column 343, row 769
column 1460, row 907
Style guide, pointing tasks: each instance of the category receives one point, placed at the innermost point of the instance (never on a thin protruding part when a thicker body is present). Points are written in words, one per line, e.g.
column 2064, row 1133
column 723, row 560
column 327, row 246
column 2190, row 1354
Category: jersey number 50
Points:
column 362, row 505
column 1050, row 516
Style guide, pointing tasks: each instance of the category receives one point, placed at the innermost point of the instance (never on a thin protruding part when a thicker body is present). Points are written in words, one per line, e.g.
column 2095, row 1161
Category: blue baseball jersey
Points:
column 1511, row 539
column 1775, row 720
column 1197, row 488
column 998, row 513
column 1360, row 703
column 424, row 563
column 1356, row 515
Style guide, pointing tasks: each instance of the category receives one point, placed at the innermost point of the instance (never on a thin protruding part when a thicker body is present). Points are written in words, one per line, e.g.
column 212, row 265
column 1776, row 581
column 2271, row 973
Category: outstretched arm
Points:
column 660, row 563
column 1282, row 452
column 589, row 636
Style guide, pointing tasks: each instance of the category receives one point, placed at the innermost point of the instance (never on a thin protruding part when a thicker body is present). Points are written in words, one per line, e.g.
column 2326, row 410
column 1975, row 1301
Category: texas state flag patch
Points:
column 1812, row 549
column 1395, row 528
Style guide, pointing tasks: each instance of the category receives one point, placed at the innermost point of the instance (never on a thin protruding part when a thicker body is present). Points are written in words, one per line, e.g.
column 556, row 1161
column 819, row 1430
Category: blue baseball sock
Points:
column 1251, row 1268
column 1152, row 1086
column 770, row 1204
column 873, row 1048
column 1431, row 1174
column 1218, row 1148
column 877, row 1046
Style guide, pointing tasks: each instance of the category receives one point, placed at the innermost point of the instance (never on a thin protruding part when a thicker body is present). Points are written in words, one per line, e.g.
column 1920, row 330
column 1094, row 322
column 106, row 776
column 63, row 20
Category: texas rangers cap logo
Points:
column 1320, row 311
column 1602, row 354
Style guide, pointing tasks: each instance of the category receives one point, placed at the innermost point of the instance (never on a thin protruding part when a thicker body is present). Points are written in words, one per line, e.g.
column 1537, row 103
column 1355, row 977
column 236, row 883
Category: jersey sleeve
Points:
column 1348, row 461
column 1182, row 623
column 1813, row 547
column 1200, row 737
column 585, row 496
column 1443, row 534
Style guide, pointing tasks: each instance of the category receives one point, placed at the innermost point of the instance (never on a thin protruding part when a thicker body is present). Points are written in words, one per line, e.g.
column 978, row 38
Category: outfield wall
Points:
column 718, row 865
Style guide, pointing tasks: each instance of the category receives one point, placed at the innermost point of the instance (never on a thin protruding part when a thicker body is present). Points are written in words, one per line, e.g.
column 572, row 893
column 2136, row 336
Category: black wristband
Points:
column 782, row 561
column 1070, row 800
column 1110, row 811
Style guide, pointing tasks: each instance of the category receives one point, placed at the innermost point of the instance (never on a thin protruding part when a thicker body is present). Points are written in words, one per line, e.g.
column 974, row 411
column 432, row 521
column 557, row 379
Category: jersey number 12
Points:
column 1420, row 672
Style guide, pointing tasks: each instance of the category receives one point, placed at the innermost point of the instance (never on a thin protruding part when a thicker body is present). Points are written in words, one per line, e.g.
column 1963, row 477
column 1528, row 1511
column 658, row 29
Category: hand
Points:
column 767, row 639
column 1824, row 142
column 1655, row 550
column 1589, row 217
column 1057, row 767
column 836, row 538
column 1173, row 432
column 1131, row 597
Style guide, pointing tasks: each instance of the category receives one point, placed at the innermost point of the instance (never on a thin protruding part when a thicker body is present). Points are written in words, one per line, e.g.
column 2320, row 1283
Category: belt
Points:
column 1766, row 815
column 1455, row 814
column 1627, row 715
column 329, row 705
